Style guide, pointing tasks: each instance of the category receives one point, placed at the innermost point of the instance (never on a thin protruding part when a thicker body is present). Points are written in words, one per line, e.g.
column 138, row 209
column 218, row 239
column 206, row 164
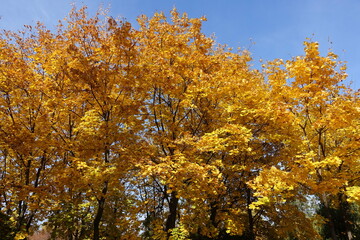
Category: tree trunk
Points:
column 213, row 213
column 332, row 229
column 171, row 219
column 99, row 213
column 329, row 217
column 250, row 231
column 346, row 216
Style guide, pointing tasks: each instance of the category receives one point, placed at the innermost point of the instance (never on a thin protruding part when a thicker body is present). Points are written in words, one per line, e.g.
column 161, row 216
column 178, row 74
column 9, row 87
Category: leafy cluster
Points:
column 113, row 132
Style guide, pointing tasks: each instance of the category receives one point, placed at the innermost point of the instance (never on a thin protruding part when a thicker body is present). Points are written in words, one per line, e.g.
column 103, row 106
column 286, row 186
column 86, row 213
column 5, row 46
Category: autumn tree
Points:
column 98, row 111
column 26, row 139
column 157, row 132
column 176, row 60
column 78, row 92
column 325, row 163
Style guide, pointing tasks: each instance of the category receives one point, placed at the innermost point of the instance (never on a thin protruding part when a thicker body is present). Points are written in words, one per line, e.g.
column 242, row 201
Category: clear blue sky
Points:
column 268, row 28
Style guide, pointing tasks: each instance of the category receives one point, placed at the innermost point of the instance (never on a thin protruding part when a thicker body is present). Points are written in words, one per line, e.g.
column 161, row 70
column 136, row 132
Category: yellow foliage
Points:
column 159, row 133
column 353, row 194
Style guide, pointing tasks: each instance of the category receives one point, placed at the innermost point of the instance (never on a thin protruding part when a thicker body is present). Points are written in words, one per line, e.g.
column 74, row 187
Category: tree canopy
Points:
column 114, row 132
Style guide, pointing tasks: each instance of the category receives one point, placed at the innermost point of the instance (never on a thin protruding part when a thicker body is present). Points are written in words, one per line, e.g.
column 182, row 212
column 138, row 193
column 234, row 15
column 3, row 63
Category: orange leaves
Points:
column 314, row 72
column 273, row 185
column 230, row 138
column 167, row 50
column 157, row 126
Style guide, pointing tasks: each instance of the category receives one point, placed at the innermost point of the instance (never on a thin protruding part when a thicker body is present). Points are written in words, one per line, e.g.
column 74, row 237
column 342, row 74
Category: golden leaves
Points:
column 353, row 194
column 157, row 123
column 273, row 185
column 231, row 138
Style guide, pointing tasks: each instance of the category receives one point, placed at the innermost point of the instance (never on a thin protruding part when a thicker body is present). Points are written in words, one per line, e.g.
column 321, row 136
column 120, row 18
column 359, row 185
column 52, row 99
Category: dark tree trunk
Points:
column 332, row 229
column 99, row 213
column 346, row 217
column 213, row 213
column 331, row 224
column 250, row 231
column 171, row 219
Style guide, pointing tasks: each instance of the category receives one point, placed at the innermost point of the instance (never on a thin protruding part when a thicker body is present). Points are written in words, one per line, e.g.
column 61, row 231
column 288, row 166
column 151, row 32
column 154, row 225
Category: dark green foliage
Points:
column 342, row 221
column 7, row 230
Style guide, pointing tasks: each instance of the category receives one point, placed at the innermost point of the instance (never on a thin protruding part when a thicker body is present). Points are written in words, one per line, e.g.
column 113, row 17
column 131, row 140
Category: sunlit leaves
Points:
column 157, row 133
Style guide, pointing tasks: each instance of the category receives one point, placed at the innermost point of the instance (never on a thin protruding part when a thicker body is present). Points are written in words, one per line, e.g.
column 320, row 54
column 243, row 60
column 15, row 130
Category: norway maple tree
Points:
column 115, row 132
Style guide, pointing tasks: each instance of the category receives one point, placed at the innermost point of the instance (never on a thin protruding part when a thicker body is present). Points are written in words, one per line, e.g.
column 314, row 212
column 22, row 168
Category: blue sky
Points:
column 268, row 28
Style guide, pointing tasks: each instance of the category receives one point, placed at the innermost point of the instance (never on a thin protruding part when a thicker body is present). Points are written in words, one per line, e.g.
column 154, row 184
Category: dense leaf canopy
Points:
column 113, row 132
